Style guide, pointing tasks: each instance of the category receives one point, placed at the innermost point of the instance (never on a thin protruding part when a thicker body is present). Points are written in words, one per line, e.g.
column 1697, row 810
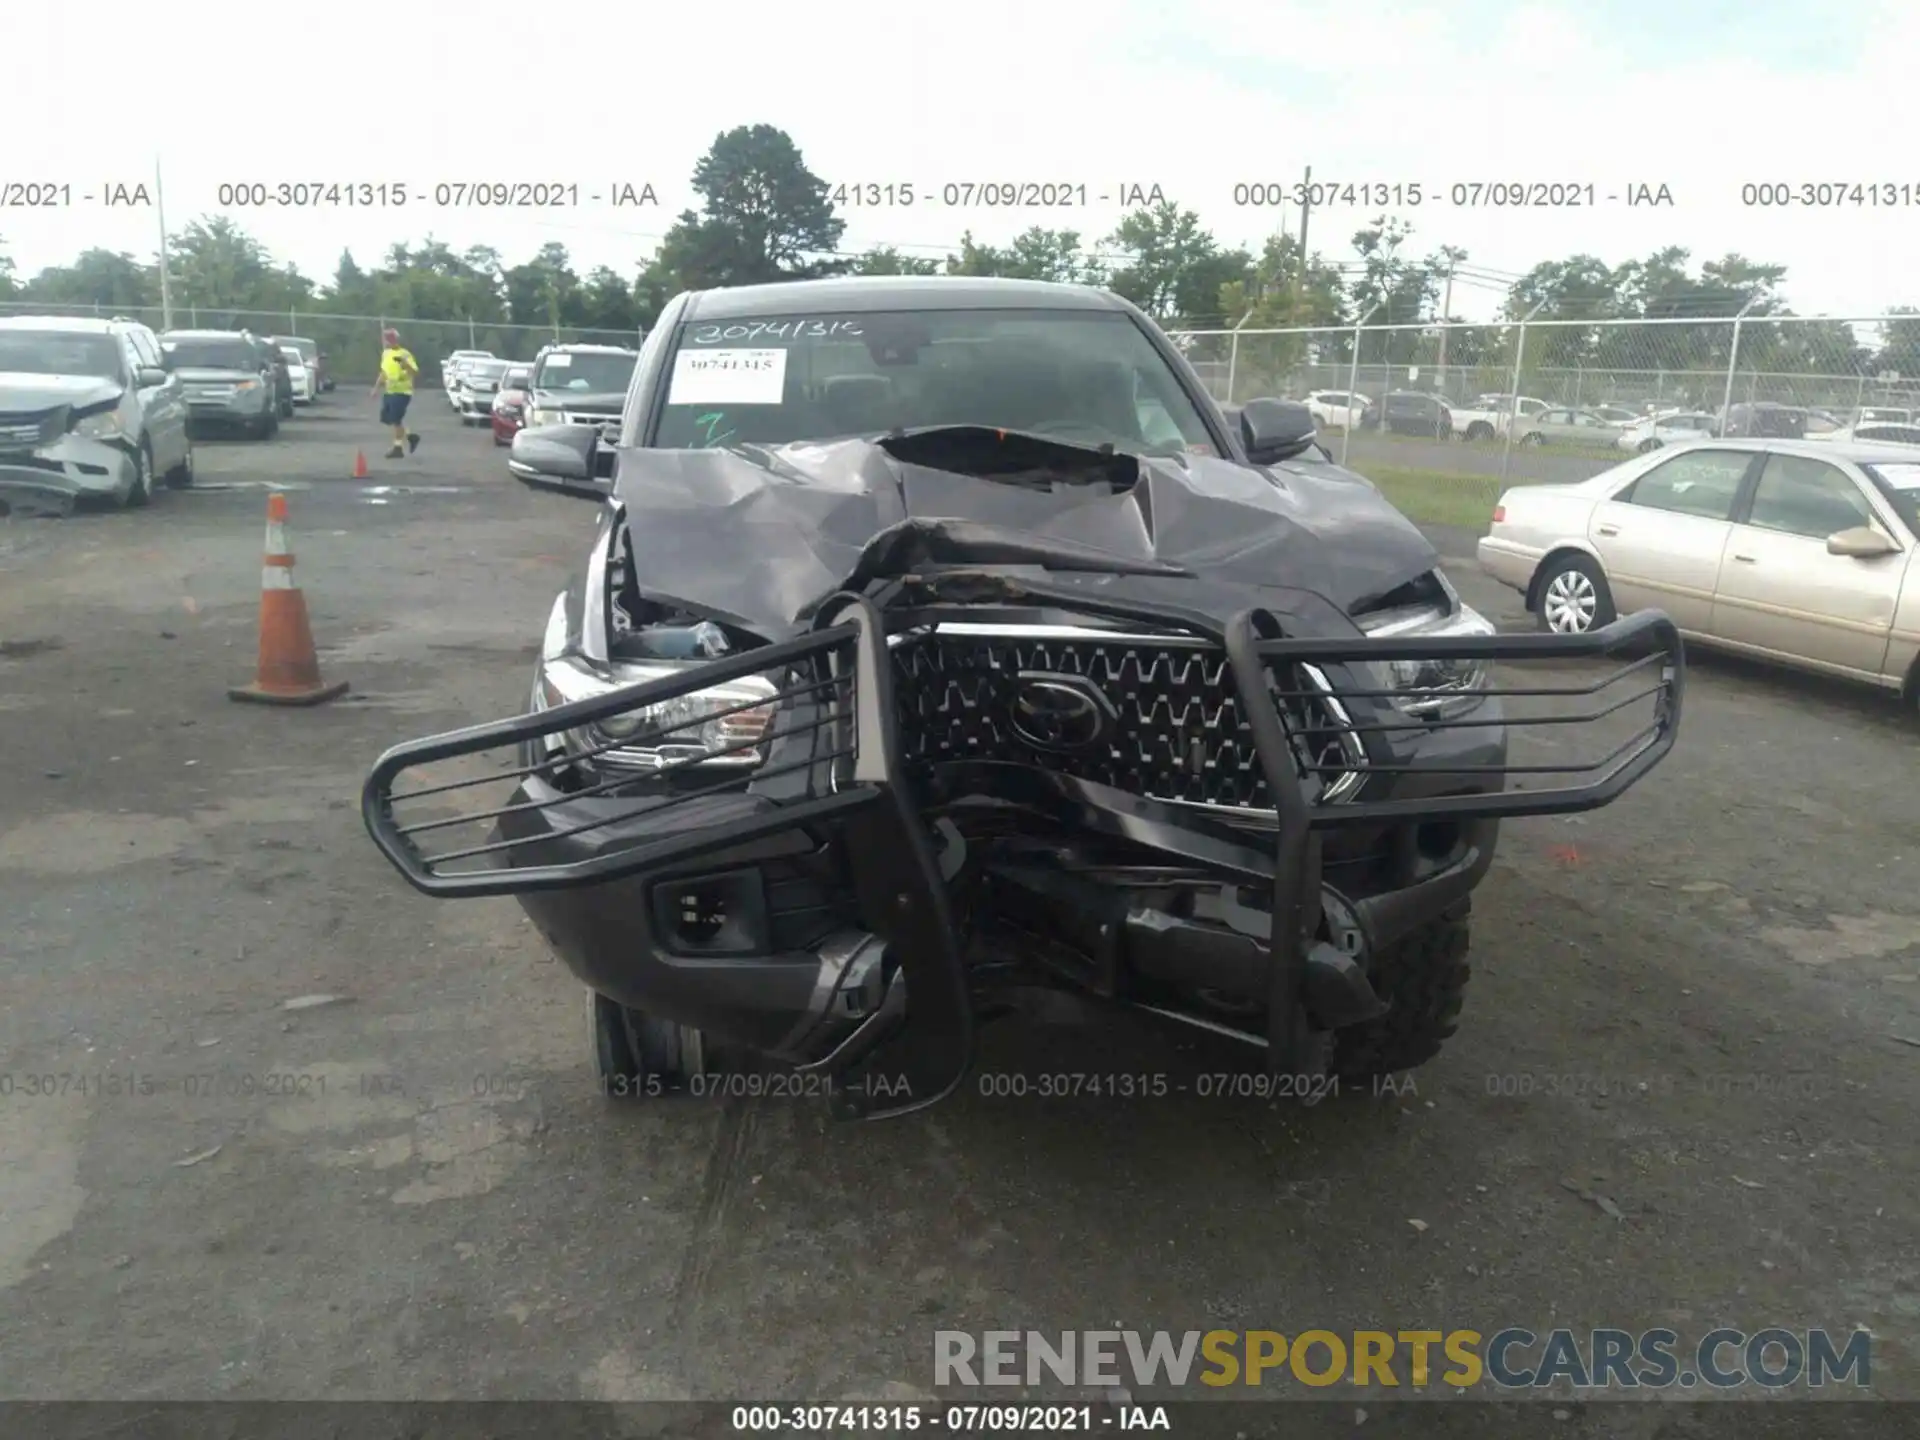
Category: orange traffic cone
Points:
column 289, row 670
column 359, row 464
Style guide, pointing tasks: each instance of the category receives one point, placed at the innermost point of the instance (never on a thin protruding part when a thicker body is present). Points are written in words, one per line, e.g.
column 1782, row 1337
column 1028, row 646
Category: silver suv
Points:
column 88, row 409
column 229, row 379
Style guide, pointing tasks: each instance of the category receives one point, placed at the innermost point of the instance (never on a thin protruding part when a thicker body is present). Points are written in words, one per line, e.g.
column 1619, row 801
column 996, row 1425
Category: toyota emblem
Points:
column 1061, row 712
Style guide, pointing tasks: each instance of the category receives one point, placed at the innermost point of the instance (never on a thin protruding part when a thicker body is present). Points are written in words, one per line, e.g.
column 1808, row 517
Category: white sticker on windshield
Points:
column 555, row 362
column 728, row 377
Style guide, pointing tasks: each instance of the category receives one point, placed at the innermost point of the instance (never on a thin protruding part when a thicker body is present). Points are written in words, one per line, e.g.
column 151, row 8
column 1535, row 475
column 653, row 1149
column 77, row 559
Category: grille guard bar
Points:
column 832, row 760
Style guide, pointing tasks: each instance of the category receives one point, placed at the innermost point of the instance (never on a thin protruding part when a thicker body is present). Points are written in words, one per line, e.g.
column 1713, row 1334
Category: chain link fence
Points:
column 1558, row 400
column 351, row 343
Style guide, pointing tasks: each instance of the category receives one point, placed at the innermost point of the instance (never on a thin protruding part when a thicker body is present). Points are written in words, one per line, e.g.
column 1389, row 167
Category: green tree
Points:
column 764, row 216
column 109, row 279
column 544, row 291
column 1174, row 269
column 1392, row 289
column 7, row 286
column 216, row 265
column 1900, row 343
column 1034, row 254
column 885, row 260
column 606, row 302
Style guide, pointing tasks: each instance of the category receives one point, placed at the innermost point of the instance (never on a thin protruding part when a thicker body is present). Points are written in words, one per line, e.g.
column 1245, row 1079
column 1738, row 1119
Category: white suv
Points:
column 1338, row 409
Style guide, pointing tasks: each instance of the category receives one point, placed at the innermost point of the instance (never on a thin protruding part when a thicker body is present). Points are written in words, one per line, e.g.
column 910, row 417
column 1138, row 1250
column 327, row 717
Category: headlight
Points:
column 247, row 385
column 720, row 726
column 544, row 417
column 104, row 426
column 1442, row 689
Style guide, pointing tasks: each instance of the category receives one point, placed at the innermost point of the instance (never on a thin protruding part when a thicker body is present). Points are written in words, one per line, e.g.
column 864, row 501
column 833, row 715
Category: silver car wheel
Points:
column 1570, row 603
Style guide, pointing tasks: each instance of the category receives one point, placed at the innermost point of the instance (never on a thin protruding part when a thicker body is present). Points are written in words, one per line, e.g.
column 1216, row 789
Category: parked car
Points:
column 1617, row 414
column 1765, row 418
column 906, row 672
column 509, row 410
column 229, row 383
column 475, row 384
column 315, row 359
column 1338, row 409
column 276, row 366
column 1563, row 426
column 1675, row 427
column 1414, row 412
column 298, row 373
column 1880, row 415
column 1788, row 550
column 1872, row 434
column 580, row 385
column 454, row 358
column 88, row 409
column 1472, row 423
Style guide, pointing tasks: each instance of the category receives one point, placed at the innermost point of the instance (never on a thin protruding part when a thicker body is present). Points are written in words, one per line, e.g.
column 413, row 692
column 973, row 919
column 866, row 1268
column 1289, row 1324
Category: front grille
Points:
column 1175, row 729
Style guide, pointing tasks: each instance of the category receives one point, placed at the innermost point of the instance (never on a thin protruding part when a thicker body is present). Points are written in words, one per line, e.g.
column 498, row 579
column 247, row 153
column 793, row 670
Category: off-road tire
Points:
column 640, row 1056
column 1424, row 980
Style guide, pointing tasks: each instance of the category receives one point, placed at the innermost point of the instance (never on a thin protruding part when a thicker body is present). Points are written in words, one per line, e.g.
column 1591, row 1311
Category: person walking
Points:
column 398, row 371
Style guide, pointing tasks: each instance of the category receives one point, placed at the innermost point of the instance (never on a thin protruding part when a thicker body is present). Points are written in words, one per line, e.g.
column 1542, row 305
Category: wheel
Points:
column 1423, row 979
column 1533, row 437
column 142, row 490
column 1647, row 447
column 639, row 1055
column 181, row 476
column 1479, row 430
column 1573, row 596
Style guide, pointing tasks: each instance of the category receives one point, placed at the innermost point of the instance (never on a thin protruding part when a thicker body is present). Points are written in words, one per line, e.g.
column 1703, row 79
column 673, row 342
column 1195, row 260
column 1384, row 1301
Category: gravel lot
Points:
column 1677, row 1098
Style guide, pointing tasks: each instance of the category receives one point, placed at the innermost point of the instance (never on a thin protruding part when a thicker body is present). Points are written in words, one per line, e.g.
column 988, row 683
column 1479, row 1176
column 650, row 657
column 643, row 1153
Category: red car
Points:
column 510, row 403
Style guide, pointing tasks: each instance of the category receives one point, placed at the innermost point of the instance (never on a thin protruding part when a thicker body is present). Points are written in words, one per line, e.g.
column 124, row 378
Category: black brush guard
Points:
column 832, row 767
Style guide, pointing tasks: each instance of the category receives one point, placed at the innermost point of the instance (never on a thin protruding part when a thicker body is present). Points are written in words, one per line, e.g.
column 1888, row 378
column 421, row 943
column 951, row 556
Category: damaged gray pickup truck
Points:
column 940, row 639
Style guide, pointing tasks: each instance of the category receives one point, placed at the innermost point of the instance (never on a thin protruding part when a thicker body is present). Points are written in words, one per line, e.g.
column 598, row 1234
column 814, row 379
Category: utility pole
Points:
column 166, row 287
column 1300, row 257
column 1446, row 312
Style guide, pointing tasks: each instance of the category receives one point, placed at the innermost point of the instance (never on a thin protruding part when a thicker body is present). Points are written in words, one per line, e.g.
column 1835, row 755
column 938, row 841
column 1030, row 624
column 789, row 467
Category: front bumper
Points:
column 51, row 478
column 475, row 403
column 836, row 946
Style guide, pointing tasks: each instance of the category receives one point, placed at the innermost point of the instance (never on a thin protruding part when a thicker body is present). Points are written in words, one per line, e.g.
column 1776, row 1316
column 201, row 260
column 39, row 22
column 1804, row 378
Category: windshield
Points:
column 213, row 354
column 1899, row 481
column 293, row 356
column 1084, row 377
column 53, row 352
column 585, row 372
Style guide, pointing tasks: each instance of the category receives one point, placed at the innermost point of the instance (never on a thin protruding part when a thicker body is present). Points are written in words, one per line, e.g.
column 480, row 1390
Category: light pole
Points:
column 1353, row 379
column 1733, row 359
column 1513, row 399
column 166, row 284
column 1233, row 352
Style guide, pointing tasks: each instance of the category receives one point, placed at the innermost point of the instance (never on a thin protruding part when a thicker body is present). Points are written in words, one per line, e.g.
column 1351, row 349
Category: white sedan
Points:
column 1675, row 427
column 298, row 372
column 1795, row 551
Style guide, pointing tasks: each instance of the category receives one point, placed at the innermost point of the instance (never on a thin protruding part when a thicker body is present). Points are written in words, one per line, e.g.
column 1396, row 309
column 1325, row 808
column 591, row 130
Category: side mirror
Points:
column 1862, row 542
column 149, row 375
column 560, row 458
column 1274, row 430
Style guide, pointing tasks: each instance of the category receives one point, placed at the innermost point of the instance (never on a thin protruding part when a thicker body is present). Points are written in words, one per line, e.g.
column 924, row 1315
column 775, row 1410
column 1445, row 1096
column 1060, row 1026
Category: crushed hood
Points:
column 759, row 537
column 22, row 393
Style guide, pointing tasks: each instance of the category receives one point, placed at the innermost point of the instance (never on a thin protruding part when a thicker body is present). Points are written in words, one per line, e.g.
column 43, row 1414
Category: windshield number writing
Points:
column 775, row 330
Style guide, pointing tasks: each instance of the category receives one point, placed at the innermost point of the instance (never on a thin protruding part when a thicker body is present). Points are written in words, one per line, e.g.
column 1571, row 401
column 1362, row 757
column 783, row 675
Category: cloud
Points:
column 1193, row 97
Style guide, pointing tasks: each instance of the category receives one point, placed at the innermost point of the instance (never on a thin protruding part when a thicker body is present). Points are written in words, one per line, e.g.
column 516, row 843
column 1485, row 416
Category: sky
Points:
column 1194, row 96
